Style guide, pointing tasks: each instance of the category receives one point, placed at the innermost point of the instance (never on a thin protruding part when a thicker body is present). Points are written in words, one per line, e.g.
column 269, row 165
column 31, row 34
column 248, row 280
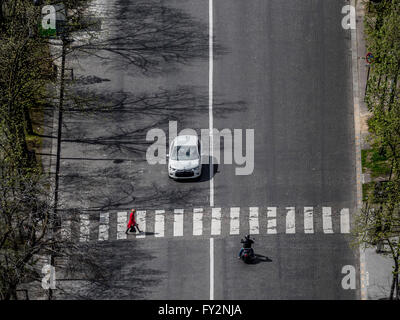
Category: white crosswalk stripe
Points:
column 216, row 221
column 159, row 223
column 141, row 221
column 66, row 229
column 271, row 220
column 122, row 221
column 344, row 221
column 234, row 221
column 212, row 222
column 178, row 222
column 253, row 221
column 290, row 220
column 327, row 219
column 197, row 221
column 104, row 226
column 308, row 220
column 84, row 230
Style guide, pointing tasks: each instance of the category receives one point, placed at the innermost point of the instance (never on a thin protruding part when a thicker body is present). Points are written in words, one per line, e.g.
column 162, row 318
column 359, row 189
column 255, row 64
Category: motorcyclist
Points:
column 247, row 242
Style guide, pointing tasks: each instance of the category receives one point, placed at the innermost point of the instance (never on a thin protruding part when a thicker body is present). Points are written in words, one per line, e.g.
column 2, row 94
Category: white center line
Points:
column 211, row 268
column 210, row 99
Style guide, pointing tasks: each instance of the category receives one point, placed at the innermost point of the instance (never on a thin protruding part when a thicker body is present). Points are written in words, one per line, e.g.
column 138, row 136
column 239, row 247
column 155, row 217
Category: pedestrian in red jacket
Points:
column 132, row 222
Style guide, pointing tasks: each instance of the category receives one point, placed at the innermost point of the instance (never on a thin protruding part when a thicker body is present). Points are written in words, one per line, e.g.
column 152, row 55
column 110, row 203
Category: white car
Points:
column 184, row 158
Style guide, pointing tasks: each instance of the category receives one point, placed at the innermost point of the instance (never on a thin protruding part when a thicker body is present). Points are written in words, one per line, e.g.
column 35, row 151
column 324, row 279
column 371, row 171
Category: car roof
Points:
column 185, row 140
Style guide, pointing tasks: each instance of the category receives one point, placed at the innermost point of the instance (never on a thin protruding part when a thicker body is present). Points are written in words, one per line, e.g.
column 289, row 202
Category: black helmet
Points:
column 247, row 237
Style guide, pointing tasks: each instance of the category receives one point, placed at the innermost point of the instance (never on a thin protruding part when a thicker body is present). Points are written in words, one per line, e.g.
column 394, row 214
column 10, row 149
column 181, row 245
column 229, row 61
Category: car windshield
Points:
column 185, row 153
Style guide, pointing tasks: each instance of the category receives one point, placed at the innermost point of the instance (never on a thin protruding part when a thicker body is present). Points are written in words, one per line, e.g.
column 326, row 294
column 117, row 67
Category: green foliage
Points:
column 379, row 220
column 26, row 206
column 376, row 162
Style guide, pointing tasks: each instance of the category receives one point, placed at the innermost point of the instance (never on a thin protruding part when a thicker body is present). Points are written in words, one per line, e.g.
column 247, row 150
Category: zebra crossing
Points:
column 206, row 222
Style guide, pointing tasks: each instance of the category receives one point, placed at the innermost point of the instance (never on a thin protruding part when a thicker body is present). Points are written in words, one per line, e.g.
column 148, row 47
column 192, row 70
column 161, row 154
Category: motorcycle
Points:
column 247, row 255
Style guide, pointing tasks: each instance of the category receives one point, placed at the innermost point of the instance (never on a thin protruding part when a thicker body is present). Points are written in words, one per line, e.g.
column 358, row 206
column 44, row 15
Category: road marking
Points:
column 327, row 219
column 84, row 234
column 290, row 220
column 66, row 229
column 104, row 226
column 235, row 222
column 159, row 224
column 252, row 227
column 197, row 221
column 178, row 222
column 122, row 221
column 308, row 220
column 211, row 268
column 216, row 221
column 141, row 221
column 344, row 221
column 211, row 98
column 271, row 224
column 253, row 221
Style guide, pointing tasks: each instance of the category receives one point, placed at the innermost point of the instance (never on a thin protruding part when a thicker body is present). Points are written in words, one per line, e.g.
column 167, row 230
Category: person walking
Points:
column 132, row 223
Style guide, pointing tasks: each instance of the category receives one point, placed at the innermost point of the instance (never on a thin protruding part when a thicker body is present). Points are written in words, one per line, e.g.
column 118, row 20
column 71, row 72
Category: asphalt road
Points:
column 281, row 68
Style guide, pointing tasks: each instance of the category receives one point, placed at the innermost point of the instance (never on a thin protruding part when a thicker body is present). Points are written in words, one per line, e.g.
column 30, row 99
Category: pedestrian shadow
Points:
column 141, row 233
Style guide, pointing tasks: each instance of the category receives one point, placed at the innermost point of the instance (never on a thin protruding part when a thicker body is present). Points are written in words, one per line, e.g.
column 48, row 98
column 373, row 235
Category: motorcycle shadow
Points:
column 260, row 258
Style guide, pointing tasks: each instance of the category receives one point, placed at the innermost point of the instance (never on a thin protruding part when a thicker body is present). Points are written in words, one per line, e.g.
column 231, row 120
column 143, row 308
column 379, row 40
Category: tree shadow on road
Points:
column 150, row 36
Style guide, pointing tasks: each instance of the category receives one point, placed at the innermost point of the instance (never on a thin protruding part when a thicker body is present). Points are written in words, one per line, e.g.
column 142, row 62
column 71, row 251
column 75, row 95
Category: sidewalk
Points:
column 378, row 268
